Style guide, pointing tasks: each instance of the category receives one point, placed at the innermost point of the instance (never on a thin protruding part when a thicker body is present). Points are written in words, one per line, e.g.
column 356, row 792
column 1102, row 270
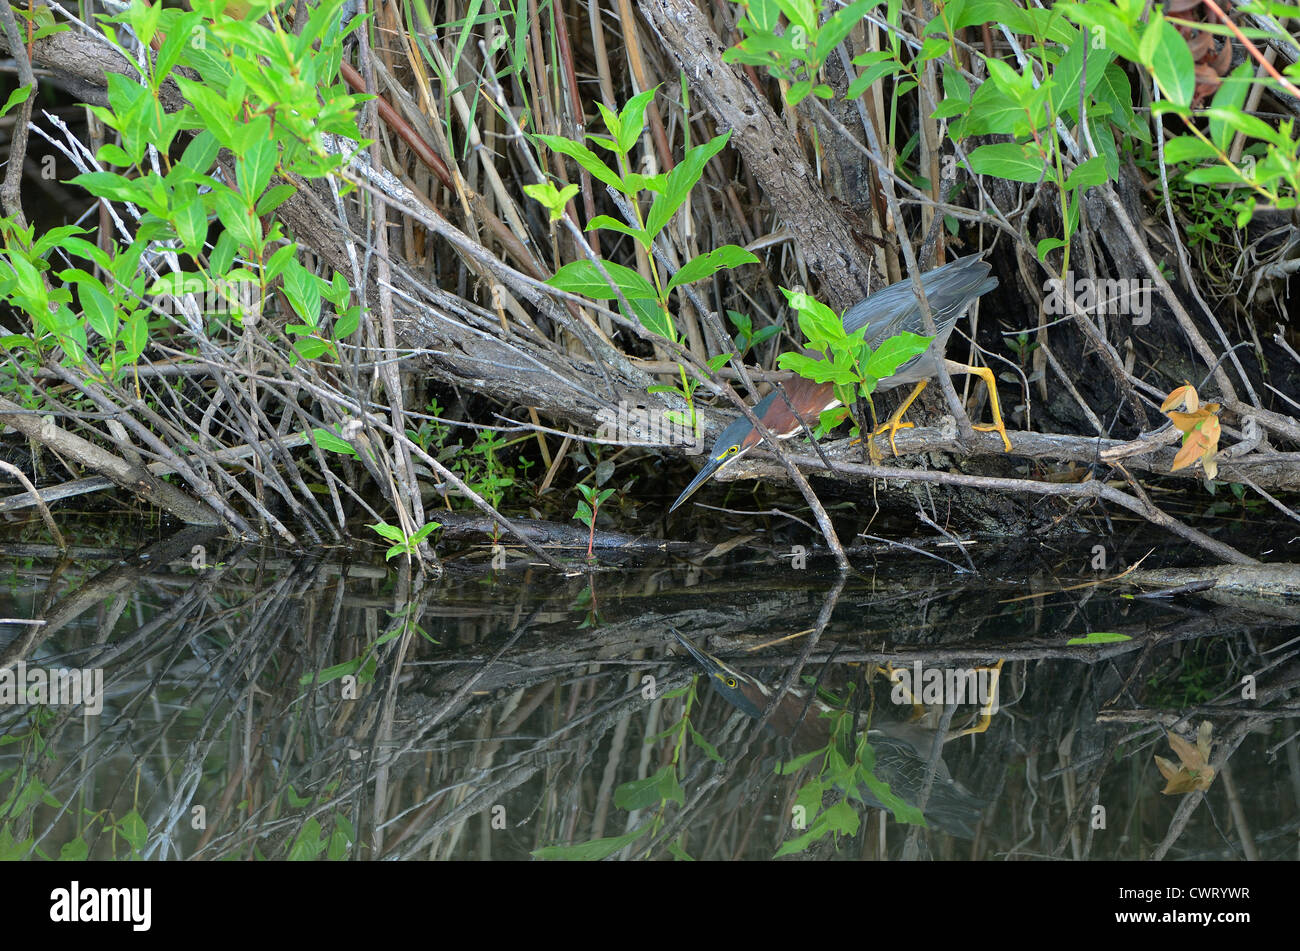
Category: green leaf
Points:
column 876, row 70
column 709, row 263
column 308, row 844
column 582, row 277
column 1009, row 160
column 331, row 442
column 330, row 674
column 253, row 171
column 1069, row 73
column 651, row 315
column 955, row 85
column 820, row 325
column 933, row 47
column 1230, row 98
column 840, row 24
column 551, row 198
column 16, row 97
column 634, row 183
column 992, row 112
column 584, row 157
column 676, row 851
column 793, row 766
column 1165, row 51
column 613, row 224
column 112, row 186
column 1114, row 91
column 894, row 352
column 74, row 851
column 341, row 839
column 1048, row 245
column 200, row 153
column 632, row 119
column 192, row 226
column 819, row 371
column 1247, row 124
column 1040, row 24
column 592, row 851
column 1214, row 175
column 680, row 181
column 1086, row 174
column 949, row 108
column 1188, row 148
column 100, row 312
column 642, row 793
column 1108, row 23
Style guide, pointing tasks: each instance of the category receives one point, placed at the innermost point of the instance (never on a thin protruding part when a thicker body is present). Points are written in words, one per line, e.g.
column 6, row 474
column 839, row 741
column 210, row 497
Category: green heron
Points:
column 950, row 290
column 902, row 749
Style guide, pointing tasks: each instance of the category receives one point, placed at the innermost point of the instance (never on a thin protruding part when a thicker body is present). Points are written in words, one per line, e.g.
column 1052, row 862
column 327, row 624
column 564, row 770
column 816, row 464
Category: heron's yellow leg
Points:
column 985, row 374
column 895, row 423
column 895, row 676
column 986, row 711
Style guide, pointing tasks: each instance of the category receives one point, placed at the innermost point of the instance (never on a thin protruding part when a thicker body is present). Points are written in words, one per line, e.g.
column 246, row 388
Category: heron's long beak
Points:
column 710, row 663
column 701, row 477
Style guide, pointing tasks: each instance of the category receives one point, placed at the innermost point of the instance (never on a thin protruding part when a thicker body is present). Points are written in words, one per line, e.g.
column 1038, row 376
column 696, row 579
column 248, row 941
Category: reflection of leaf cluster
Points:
column 839, row 769
column 27, row 791
column 311, row 840
column 1197, row 676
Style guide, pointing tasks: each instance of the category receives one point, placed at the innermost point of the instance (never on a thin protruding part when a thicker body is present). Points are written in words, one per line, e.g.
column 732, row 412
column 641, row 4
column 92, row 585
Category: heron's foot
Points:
column 893, row 426
column 999, row 427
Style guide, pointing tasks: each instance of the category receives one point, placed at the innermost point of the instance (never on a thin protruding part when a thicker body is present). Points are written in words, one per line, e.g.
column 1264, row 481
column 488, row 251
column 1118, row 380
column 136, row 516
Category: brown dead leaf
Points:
column 1208, row 81
column 1193, row 772
column 1200, row 43
column 1222, row 60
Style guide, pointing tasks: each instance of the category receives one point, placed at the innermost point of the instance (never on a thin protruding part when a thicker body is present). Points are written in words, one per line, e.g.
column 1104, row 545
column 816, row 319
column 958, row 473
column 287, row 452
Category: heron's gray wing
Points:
column 949, row 289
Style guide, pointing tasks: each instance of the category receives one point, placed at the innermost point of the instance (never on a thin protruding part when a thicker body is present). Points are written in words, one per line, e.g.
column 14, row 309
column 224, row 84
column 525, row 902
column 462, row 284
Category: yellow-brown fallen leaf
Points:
column 1186, row 422
column 1201, row 442
column 1183, row 396
column 1195, row 771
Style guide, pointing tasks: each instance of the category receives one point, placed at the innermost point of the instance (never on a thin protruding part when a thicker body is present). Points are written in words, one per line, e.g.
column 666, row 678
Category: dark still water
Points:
column 248, row 704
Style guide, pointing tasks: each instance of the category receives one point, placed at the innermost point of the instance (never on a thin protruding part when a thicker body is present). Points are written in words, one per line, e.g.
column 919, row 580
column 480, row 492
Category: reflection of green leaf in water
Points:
column 643, row 793
column 837, row 772
column 1099, row 637
column 592, row 851
column 709, row 749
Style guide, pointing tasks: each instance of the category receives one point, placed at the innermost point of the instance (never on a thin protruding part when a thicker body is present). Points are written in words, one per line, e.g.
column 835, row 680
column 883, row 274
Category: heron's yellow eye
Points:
column 732, row 450
column 731, row 681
